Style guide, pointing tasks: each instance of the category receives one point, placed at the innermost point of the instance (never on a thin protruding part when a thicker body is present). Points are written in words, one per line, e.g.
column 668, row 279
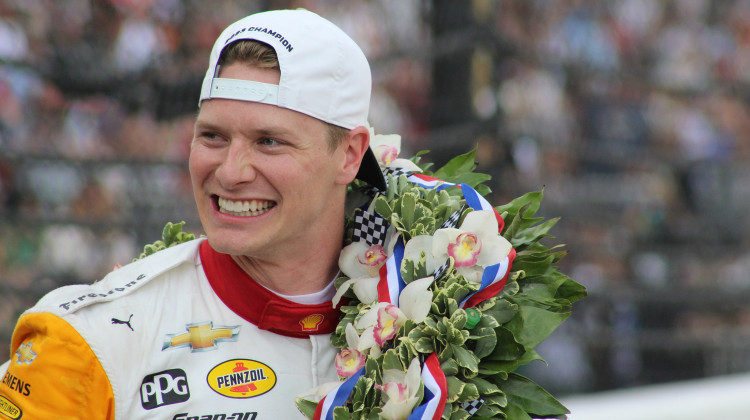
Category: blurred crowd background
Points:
column 632, row 115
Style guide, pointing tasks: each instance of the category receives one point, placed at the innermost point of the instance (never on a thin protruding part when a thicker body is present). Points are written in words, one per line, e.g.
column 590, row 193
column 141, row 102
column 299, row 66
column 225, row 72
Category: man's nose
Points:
column 237, row 167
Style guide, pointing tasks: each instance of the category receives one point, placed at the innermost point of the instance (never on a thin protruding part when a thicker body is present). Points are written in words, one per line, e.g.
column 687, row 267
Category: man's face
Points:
column 264, row 180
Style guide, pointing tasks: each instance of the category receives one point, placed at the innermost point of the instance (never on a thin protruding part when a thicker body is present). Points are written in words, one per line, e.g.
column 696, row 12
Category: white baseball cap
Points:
column 324, row 74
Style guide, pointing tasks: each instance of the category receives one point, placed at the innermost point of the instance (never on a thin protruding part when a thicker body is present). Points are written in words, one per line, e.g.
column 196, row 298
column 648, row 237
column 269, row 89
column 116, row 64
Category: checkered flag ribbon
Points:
column 441, row 270
column 396, row 173
column 369, row 228
column 452, row 221
column 472, row 407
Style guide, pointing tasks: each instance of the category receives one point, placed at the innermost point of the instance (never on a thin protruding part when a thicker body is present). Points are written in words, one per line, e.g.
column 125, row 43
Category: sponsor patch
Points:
column 92, row 297
column 17, row 384
column 164, row 388
column 248, row 415
column 311, row 322
column 241, row 378
column 25, row 354
column 9, row 409
column 201, row 336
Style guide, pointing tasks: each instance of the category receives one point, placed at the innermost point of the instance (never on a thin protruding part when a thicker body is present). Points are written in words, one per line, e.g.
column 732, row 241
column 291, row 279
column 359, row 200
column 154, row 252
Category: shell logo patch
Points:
column 241, row 378
column 9, row 409
column 311, row 322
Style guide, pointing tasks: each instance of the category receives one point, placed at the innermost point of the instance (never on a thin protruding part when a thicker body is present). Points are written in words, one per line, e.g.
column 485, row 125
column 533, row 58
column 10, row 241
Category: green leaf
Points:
column 507, row 347
column 459, row 165
column 514, row 412
column 465, row 358
column 485, row 341
column 391, row 360
column 307, row 407
column 502, row 311
column 530, row 397
column 532, row 325
column 531, row 201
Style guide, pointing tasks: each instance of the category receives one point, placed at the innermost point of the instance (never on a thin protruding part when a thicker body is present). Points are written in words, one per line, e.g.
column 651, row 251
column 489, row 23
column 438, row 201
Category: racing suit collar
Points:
column 256, row 304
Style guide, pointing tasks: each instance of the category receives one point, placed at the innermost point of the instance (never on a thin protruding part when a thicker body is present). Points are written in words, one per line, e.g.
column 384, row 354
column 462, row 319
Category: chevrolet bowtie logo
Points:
column 25, row 354
column 201, row 336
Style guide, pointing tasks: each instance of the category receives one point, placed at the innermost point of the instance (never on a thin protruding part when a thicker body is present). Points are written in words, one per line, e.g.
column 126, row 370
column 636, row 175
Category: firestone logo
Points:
column 164, row 388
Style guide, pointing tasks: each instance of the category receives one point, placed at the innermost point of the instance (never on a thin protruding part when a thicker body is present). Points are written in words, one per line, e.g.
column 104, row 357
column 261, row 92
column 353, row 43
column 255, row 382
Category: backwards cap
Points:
column 324, row 74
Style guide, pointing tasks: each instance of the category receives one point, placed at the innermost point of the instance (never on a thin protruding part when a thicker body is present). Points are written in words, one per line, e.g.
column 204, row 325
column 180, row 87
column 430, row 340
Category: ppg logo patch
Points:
column 164, row 388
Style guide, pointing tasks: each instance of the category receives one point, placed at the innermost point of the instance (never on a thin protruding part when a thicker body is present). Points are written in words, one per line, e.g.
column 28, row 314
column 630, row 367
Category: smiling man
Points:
column 235, row 326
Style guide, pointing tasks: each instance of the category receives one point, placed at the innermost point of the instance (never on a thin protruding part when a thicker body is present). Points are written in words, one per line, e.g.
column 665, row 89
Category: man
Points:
column 232, row 327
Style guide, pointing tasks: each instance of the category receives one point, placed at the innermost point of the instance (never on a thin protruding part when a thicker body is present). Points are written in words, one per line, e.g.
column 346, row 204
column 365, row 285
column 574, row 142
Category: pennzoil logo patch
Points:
column 9, row 409
column 241, row 378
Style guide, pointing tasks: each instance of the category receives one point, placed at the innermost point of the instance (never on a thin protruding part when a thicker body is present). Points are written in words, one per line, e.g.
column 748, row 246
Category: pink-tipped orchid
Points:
column 390, row 319
column 465, row 249
column 361, row 260
column 361, row 263
column 385, row 153
column 386, row 148
column 400, row 389
column 473, row 246
column 349, row 361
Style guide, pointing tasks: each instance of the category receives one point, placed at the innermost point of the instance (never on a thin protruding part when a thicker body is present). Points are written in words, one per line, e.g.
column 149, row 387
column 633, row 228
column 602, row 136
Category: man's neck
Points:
column 294, row 274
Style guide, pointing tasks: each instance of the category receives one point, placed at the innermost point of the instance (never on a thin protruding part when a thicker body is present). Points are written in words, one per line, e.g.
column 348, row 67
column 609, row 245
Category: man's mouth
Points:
column 244, row 208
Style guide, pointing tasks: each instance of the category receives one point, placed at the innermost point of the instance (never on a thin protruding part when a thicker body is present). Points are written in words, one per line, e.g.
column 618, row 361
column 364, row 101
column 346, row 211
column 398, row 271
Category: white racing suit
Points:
column 183, row 334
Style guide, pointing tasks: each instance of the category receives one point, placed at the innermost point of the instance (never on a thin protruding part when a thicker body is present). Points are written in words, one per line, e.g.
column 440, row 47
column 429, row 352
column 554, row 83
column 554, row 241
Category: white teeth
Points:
column 244, row 208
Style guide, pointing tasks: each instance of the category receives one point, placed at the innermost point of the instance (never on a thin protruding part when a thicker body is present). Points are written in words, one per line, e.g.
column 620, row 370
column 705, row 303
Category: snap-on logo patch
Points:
column 241, row 378
column 9, row 409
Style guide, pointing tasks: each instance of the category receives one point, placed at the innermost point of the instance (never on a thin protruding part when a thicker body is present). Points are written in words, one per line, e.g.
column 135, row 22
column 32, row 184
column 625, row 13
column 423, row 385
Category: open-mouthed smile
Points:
column 244, row 207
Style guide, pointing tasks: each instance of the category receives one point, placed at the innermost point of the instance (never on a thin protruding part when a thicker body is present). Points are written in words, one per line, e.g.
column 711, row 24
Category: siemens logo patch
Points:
column 164, row 388
column 16, row 384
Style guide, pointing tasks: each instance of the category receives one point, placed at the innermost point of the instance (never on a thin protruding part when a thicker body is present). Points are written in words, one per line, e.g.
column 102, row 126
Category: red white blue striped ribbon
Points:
column 473, row 198
column 391, row 284
column 493, row 280
column 336, row 398
column 435, row 391
column 493, row 277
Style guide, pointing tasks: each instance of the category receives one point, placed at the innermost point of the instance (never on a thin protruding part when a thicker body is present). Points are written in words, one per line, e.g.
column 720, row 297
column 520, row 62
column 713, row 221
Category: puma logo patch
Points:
column 117, row 321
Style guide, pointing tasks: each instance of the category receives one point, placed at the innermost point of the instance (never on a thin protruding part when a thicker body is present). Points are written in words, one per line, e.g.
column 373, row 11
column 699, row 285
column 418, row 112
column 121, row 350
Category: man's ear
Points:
column 353, row 148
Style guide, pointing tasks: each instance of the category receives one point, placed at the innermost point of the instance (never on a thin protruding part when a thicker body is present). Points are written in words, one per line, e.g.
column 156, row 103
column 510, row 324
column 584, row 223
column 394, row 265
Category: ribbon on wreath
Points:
column 389, row 289
column 435, row 392
column 494, row 277
column 337, row 397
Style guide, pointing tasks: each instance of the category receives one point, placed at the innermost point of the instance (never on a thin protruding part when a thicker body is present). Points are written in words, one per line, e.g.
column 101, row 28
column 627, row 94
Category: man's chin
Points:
column 224, row 246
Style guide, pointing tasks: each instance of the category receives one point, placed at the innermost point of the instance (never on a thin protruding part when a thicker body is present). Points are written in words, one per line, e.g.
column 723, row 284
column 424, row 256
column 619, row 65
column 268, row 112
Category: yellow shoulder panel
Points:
column 53, row 373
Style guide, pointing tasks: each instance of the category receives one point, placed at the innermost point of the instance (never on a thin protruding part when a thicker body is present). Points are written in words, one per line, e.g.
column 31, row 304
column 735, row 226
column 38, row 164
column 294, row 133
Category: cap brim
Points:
column 370, row 172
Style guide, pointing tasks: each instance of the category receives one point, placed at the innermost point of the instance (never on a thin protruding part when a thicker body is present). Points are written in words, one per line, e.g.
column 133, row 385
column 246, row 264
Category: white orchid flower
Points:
column 401, row 390
column 386, row 148
column 385, row 318
column 419, row 244
column 361, row 263
column 415, row 300
column 365, row 288
column 473, row 246
column 319, row 392
column 349, row 361
column 364, row 343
